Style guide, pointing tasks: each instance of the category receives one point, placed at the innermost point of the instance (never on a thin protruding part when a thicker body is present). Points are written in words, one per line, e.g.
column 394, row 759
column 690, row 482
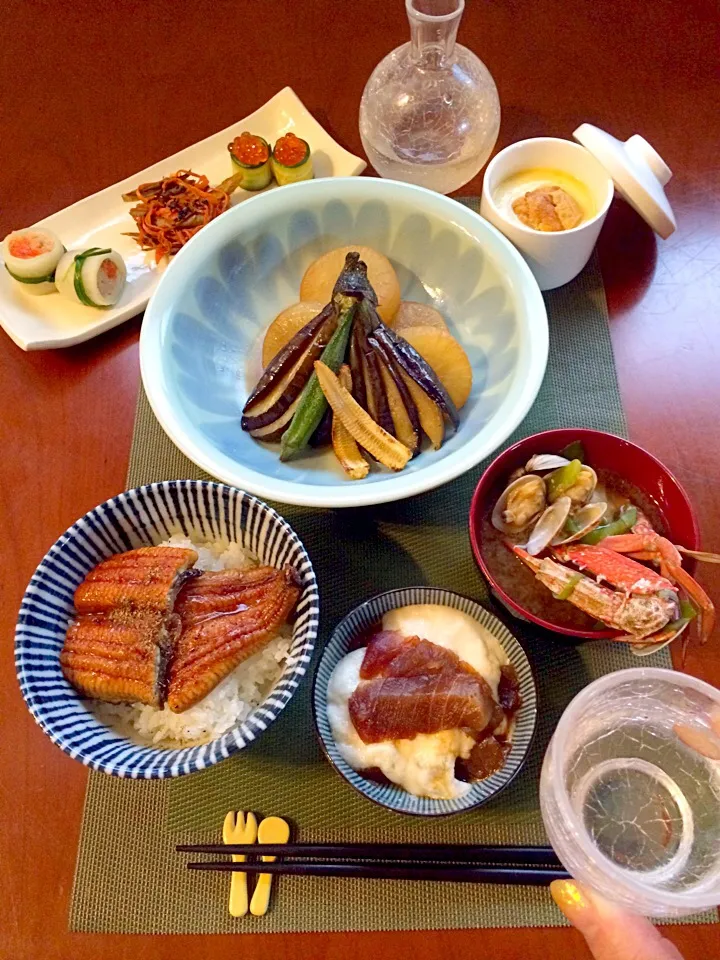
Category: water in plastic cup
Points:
column 630, row 791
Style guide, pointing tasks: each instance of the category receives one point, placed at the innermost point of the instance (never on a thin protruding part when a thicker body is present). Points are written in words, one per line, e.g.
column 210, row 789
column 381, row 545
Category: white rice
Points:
column 230, row 702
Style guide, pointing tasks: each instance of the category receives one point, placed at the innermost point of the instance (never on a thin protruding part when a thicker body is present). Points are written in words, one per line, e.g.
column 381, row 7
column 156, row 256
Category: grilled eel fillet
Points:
column 226, row 617
column 118, row 645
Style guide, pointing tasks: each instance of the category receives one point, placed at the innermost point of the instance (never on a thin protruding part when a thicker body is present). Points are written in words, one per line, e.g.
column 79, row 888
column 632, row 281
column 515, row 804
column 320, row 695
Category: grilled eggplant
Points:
column 353, row 281
column 403, row 409
column 419, row 371
column 431, row 418
column 356, row 369
column 285, row 377
column 323, row 435
column 287, row 357
column 312, row 405
column 376, row 398
column 409, row 361
column 391, row 381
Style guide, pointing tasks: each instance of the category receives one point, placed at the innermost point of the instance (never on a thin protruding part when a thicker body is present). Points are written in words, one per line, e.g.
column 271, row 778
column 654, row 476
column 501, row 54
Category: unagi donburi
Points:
column 177, row 643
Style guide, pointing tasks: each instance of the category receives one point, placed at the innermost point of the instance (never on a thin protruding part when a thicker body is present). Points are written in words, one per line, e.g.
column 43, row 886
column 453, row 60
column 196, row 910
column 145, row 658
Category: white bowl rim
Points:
column 346, row 493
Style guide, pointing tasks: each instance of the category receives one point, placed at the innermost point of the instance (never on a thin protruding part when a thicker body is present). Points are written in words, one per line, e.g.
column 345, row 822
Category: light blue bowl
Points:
column 345, row 638
column 203, row 330
column 142, row 517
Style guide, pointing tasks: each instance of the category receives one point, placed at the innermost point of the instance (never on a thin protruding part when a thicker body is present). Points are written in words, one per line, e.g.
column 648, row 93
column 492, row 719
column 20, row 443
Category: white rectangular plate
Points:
column 37, row 323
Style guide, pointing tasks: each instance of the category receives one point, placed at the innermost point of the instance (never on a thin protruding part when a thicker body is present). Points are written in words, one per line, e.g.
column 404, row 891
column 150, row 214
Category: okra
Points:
column 312, row 404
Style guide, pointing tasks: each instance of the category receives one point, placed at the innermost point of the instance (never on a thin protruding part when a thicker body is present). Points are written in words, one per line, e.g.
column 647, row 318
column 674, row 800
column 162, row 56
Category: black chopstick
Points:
column 516, row 876
column 474, row 853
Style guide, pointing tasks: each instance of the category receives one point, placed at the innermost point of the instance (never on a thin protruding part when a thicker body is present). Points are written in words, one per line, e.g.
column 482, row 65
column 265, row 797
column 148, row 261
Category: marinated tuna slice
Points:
column 417, row 687
column 148, row 578
column 390, row 654
column 398, row 708
column 226, row 617
column 118, row 646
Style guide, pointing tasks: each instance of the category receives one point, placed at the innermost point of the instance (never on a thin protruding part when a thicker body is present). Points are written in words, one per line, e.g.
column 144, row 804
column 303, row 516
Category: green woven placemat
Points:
column 130, row 880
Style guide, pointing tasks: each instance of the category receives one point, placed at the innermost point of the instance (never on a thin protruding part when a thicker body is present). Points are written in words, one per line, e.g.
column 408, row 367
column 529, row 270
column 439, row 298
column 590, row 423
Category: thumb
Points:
column 610, row 932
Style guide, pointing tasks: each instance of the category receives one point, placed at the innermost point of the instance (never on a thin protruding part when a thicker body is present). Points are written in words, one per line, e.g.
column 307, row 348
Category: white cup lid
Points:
column 638, row 171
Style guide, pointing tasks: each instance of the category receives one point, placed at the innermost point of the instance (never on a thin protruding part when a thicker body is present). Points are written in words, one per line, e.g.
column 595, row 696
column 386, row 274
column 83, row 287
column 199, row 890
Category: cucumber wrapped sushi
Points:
column 94, row 277
column 291, row 160
column 251, row 154
column 31, row 257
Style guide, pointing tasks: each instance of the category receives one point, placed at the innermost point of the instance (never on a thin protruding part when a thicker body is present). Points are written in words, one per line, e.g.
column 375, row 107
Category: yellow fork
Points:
column 239, row 830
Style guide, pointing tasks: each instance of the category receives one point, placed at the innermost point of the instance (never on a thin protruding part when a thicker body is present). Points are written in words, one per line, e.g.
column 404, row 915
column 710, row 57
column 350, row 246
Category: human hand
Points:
column 610, row 932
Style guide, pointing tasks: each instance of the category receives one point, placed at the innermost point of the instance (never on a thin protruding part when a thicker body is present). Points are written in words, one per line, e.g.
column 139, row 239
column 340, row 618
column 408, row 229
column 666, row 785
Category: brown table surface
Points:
column 92, row 93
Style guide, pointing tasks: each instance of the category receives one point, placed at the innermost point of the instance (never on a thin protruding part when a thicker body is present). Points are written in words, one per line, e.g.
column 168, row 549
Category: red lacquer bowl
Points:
column 602, row 451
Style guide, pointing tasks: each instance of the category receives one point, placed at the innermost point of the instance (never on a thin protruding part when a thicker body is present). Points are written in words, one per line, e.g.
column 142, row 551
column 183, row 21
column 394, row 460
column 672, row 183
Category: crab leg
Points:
column 706, row 608
column 620, row 571
column 647, row 541
column 662, row 550
column 702, row 555
column 639, row 616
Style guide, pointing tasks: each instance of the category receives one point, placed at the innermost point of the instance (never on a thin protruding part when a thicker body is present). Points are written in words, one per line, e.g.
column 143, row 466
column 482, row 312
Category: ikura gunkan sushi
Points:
column 94, row 277
column 291, row 160
column 31, row 257
column 251, row 154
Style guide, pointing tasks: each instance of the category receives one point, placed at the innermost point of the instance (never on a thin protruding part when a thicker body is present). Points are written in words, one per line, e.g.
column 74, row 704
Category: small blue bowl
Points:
column 388, row 795
column 136, row 518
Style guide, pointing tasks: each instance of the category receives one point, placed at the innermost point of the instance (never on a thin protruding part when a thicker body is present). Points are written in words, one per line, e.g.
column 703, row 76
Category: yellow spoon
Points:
column 242, row 830
column 271, row 830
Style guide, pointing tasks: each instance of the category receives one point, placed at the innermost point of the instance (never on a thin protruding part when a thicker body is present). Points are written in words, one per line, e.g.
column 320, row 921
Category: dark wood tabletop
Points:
column 94, row 92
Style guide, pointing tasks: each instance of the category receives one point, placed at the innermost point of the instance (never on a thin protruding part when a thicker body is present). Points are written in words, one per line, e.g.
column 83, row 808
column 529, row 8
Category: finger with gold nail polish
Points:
column 610, row 932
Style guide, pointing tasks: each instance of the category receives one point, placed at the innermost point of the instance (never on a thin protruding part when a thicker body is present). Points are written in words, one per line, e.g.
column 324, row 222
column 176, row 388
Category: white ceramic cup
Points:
column 554, row 258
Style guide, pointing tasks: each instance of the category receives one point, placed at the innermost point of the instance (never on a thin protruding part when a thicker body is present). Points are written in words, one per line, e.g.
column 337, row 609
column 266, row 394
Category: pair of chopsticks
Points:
column 457, row 863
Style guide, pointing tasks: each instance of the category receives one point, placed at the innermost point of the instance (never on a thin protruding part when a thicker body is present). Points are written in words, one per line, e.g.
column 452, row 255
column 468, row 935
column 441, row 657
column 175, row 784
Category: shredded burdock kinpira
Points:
column 170, row 211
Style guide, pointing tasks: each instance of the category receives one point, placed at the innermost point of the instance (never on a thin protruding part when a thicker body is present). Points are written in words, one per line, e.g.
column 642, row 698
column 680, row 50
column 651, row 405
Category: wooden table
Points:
column 94, row 92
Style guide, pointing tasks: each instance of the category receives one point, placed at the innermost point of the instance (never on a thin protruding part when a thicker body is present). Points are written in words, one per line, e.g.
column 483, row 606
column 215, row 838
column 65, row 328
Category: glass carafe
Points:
column 430, row 112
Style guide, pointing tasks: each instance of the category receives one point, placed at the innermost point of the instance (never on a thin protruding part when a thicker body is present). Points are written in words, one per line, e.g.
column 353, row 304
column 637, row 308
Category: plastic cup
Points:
column 633, row 810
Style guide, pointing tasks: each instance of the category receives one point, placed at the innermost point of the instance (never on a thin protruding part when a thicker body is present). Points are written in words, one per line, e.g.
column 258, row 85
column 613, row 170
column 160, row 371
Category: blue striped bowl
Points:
column 141, row 517
column 344, row 639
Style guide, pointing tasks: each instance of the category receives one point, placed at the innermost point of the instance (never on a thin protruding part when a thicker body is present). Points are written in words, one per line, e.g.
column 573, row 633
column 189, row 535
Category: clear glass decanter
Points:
column 430, row 112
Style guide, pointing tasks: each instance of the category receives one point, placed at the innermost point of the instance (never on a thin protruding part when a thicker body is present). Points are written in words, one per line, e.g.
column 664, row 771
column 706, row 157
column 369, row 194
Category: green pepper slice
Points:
column 571, row 527
column 562, row 479
column 625, row 522
column 567, row 590
column 574, row 451
column 687, row 610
